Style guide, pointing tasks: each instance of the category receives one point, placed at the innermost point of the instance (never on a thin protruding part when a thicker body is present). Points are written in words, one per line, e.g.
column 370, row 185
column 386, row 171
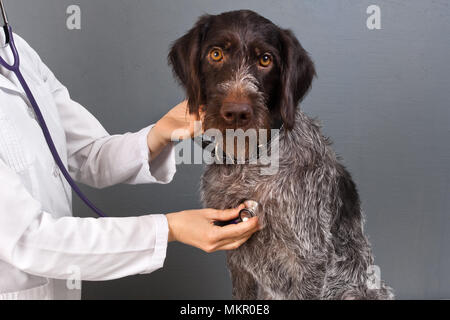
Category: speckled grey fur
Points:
column 312, row 245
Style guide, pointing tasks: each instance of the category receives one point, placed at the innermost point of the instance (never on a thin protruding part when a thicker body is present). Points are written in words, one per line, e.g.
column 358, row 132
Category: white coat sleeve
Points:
column 99, row 159
column 100, row 249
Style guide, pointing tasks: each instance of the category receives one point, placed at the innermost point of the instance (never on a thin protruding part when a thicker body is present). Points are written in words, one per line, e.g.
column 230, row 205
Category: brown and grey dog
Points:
column 252, row 74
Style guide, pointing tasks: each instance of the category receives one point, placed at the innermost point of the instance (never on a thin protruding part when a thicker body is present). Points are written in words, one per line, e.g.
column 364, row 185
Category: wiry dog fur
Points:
column 312, row 245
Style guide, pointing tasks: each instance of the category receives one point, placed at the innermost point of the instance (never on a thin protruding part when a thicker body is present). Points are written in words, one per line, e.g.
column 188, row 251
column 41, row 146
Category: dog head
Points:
column 248, row 72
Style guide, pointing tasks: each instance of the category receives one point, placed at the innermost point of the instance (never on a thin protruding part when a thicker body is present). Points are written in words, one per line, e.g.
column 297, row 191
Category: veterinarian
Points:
column 41, row 244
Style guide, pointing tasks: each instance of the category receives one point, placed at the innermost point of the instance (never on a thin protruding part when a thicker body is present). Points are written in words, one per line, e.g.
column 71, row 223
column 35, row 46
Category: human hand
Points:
column 196, row 228
column 178, row 123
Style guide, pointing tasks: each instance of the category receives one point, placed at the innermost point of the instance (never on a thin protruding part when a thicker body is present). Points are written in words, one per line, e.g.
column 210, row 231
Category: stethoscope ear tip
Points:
column 4, row 23
column 4, row 15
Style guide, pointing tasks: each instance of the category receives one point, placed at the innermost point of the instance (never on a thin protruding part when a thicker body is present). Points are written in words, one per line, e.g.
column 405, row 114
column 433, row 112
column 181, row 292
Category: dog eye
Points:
column 265, row 60
column 216, row 54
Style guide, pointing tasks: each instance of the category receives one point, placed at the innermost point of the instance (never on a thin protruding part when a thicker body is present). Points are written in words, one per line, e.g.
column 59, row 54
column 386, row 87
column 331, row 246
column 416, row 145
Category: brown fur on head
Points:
column 246, row 70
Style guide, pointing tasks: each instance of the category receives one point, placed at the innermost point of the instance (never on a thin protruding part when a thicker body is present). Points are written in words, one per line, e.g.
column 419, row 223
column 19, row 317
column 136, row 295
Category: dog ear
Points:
column 184, row 57
column 297, row 73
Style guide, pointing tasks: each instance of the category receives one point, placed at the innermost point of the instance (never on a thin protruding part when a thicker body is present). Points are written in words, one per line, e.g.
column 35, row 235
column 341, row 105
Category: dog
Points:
column 250, row 73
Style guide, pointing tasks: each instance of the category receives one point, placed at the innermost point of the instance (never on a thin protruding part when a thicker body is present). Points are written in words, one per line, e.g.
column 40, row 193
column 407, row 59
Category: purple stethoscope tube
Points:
column 251, row 206
column 15, row 68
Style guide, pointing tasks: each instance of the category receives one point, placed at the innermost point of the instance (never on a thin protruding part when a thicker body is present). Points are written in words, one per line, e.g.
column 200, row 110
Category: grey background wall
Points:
column 382, row 95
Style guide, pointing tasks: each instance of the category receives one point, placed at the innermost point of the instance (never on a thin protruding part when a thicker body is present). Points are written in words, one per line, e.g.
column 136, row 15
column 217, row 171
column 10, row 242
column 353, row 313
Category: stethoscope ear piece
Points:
column 4, row 23
column 4, row 16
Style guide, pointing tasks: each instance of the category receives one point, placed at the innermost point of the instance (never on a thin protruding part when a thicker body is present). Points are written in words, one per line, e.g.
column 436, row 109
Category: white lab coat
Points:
column 41, row 244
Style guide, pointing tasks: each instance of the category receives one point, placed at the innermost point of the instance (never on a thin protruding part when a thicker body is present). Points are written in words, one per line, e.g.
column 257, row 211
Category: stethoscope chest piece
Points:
column 251, row 209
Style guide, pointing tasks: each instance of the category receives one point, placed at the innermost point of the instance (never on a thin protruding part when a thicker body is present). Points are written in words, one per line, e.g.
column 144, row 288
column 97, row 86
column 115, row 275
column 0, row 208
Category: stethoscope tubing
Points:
column 15, row 68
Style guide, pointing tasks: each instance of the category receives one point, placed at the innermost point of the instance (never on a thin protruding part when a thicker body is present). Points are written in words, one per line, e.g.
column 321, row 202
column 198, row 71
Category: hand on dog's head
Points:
column 247, row 71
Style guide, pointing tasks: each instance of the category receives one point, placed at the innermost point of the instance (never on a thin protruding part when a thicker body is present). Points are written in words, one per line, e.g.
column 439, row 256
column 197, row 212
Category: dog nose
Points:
column 236, row 113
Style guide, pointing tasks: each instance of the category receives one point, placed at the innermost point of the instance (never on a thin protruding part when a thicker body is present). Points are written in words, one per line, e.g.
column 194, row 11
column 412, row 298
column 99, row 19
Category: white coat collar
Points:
column 8, row 85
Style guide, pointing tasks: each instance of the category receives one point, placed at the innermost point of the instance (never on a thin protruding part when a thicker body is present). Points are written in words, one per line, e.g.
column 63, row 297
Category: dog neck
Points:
column 261, row 149
column 304, row 143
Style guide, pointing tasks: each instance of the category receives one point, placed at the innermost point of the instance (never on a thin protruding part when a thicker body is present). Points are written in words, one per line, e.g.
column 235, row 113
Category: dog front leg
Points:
column 244, row 284
column 302, row 279
column 310, row 285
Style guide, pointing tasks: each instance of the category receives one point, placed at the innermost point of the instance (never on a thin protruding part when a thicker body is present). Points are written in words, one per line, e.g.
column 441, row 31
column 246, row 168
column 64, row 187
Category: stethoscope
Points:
column 251, row 206
column 251, row 209
column 15, row 68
